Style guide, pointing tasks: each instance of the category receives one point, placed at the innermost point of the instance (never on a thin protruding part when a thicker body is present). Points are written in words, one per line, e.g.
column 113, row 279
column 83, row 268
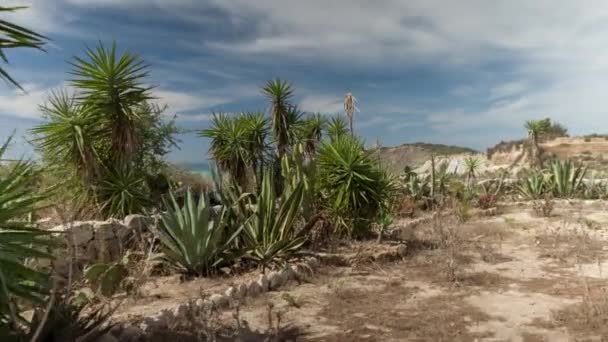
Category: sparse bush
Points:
column 543, row 208
column 487, row 201
column 405, row 207
column 462, row 210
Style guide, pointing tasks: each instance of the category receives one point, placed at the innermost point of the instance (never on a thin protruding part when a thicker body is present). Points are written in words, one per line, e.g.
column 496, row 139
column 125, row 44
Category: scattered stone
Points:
column 254, row 289
column 136, row 222
column 263, row 282
column 219, row 301
column 231, row 292
column 242, row 290
column 107, row 338
column 402, row 250
column 275, row 279
column 200, row 303
column 289, row 273
column 181, row 311
column 130, row 334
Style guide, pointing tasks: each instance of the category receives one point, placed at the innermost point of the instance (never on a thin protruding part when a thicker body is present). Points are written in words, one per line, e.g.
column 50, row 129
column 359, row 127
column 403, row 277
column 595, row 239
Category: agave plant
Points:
column 269, row 234
column 15, row 36
column 534, row 186
column 535, row 129
column 19, row 241
column 567, row 179
column 193, row 237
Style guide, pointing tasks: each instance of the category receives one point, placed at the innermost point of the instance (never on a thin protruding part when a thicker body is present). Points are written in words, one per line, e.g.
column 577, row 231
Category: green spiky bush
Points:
column 353, row 185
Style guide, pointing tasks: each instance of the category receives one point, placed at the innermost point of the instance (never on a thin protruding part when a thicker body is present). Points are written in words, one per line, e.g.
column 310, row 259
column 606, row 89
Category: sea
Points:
column 200, row 167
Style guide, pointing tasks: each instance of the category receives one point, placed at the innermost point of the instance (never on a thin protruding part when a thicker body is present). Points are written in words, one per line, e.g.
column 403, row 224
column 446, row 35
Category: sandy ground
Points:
column 518, row 278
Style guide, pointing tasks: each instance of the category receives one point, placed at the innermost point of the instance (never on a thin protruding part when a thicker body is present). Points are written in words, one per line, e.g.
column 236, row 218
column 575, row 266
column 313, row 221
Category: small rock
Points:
column 263, row 282
column 107, row 338
column 289, row 273
column 312, row 262
column 130, row 334
column 219, row 300
column 275, row 279
column 242, row 290
column 402, row 250
column 136, row 222
column 200, row 303
column 231, row 292
column 254, row 289
column 181, row 311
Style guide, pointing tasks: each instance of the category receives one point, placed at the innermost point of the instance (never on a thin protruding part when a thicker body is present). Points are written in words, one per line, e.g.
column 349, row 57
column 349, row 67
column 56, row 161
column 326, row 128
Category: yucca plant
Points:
column 353, row 185
column 270, row 233
column 336, row 128
column 280, row 94
column 193, row 237
column 15, row 36
column 567, row 179
column 19, row 241
column 123, row 191
column 69, row 134
column 114, row 85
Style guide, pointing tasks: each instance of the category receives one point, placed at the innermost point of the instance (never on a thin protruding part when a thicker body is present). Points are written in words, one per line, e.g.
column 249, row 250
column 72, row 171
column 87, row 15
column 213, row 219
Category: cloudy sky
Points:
column 466, row 72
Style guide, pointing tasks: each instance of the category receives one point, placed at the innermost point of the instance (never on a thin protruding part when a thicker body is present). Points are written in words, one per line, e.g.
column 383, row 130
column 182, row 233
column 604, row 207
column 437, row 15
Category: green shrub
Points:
column 123, row 191
column 533, row 187
column 353, row 185
column 193, row 237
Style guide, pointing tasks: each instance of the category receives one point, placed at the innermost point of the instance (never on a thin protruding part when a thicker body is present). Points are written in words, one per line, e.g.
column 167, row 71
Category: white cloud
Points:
column 16, row 103
column 322, row 104
column 180, row 102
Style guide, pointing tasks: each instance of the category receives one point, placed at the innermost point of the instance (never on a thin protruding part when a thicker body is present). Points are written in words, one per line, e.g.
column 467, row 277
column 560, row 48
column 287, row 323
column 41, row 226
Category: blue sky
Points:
column 464, row 72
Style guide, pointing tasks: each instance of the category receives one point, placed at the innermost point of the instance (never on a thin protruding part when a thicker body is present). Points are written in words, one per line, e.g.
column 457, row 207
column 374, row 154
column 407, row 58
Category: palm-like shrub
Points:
column 15, row 36
column 280, row 94
column 269, row 233
column 193, row 237
column 336, row 128
column 566, row 178
column 536, row 128
column 353, row 185
column 311, row 132
column 114, row 86
column 69, row 134
column 238, row 144
column 18, row 242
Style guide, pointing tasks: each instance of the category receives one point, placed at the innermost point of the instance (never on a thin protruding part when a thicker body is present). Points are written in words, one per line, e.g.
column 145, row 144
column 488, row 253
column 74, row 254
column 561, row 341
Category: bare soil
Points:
column 518, row 277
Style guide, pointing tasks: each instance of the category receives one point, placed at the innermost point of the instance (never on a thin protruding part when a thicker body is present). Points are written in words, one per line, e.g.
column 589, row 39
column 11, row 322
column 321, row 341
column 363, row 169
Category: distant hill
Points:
column 416, row 154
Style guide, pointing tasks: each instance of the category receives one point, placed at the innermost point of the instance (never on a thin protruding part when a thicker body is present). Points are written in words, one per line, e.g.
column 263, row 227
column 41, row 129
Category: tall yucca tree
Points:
column 113, row 84
column 19, row 241
column 15, row 36
column 255, row 130
column 311, row 132
column 69, row 134
column 535, row 129
column 350, row 107
column 336, row 128
column 280, row 94
column 229, row 147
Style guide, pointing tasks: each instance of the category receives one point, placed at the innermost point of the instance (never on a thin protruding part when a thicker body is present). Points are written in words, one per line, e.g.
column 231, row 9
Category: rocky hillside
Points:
column 415, row 155
column 590, row 150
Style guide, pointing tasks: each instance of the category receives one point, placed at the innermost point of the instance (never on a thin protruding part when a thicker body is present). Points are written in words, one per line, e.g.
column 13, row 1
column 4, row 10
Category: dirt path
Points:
column 518, row 278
